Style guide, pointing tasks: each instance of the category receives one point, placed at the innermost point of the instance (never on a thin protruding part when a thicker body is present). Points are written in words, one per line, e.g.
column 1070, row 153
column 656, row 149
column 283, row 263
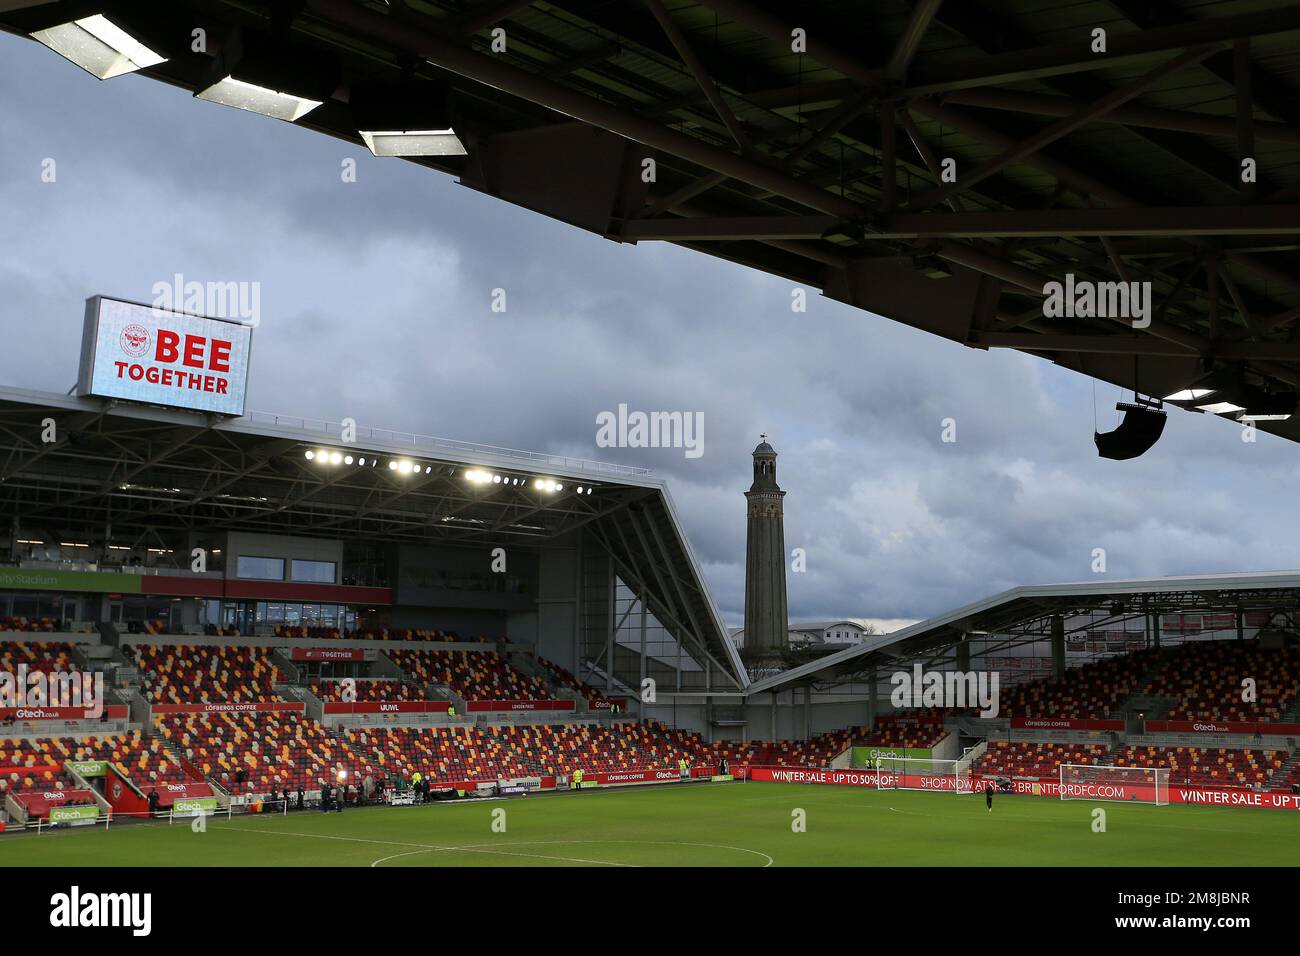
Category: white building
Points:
column 830, row 634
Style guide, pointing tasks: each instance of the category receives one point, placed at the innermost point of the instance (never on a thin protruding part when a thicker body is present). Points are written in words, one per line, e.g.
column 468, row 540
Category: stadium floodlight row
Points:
column 123, row 496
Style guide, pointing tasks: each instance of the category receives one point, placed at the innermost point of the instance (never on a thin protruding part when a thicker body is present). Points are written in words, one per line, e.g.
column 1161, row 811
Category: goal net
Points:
column 1125, row 784
column 921, row 773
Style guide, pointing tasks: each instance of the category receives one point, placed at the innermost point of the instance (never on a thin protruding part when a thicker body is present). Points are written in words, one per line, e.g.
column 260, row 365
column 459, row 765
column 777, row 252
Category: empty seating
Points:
column 363, row 634
column 367, row 690
column 1206, row 766
column 187, row 674
column 474, row 676
column 1020, row 759
column 143, row 760
column 37, row 655
column 33, row 624
column 914, row 729
column 566, row 679
column 254, row 753
column 1089, row 692
column 445, row 754
column 1205, row 677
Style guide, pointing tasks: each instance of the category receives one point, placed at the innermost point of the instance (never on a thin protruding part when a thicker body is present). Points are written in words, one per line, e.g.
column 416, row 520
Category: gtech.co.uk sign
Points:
column 142, row 354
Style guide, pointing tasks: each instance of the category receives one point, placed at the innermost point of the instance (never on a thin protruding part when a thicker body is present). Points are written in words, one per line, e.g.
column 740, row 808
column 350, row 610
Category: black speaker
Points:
column 1138, row 431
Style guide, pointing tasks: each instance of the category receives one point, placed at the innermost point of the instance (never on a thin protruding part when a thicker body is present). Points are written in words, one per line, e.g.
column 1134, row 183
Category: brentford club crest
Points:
column 135, row 340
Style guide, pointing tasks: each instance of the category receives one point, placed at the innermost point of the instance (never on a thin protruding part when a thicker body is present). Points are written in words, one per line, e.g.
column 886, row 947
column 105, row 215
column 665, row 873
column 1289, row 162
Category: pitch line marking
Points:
column 420, row 847
column 710, row 846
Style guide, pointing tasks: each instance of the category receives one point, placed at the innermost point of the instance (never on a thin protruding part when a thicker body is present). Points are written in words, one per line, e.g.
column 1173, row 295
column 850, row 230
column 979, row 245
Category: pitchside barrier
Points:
column 1041, row 787
column 181, row 811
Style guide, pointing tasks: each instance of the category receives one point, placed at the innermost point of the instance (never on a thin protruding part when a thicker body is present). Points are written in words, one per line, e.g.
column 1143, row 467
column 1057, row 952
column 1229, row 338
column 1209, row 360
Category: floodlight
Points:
column 392, row 466
column 256, row 74
column 347, row 459
column 1189, row 394
column 1221, row 408
column 311, row 455
column 425, row 142
column 98, row 46
column 1268, row 407
column 336, row 458
column 276, row 104
column 412, row 119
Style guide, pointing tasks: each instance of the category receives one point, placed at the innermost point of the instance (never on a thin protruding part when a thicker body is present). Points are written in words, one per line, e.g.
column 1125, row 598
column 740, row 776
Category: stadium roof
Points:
column 1021, row 615
column 823, row 164
column 146, row 471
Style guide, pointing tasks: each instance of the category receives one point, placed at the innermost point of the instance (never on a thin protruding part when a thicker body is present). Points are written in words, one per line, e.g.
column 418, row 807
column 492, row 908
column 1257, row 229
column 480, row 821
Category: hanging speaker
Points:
column 1140, row 428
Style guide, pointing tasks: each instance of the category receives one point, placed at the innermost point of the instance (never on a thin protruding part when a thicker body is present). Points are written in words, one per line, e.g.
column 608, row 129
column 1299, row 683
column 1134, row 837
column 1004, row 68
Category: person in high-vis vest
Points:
column 415, row 781
column 684, row 766
column 577, row 779
column 451, row 710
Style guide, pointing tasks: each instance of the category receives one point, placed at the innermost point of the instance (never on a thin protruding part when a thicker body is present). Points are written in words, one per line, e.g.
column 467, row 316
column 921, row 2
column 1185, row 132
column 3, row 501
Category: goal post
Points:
column 1120, row 784
column 922, row 773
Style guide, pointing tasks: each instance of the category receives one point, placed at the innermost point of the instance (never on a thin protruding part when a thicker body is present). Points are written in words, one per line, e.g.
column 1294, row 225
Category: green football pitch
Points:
column 715, row 824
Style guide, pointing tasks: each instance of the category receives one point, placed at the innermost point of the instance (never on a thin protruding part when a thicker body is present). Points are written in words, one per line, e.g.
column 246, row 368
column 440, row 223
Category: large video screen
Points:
column 142, row 354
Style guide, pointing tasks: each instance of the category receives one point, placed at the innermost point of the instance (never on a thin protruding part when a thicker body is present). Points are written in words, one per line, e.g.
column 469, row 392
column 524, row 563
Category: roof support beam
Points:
column 1077, row 56
column 1133, row 345
column 1093, row 221
column 1013, row 101
column 492, row 14
column 781, row 31
column 1031, row 145
column 919, row 22
column 729, row 228
column 1245, row 112
column 500, row 75
column 1033, row 223
column 702, row 78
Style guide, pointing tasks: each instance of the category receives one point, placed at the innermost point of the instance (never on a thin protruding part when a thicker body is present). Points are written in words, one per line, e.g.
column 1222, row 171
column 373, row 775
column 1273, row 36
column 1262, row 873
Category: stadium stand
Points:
column 366, row 634
column 1091, row 691
column 923, row 729
column 30, row 624
column 28, row 764
column 144, row 760
column 183, row 674
column 566, row 679
column 37, row 655
column 1209, row 766
column 485, row 753
column 367, row 689
column 816, row 752
column 251, row 753
column 1019, row 759
column 1205, row 677
column 474, row 675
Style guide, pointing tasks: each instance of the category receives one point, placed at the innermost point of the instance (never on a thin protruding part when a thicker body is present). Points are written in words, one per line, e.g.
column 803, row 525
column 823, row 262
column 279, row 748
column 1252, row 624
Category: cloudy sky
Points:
column 376, row 304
